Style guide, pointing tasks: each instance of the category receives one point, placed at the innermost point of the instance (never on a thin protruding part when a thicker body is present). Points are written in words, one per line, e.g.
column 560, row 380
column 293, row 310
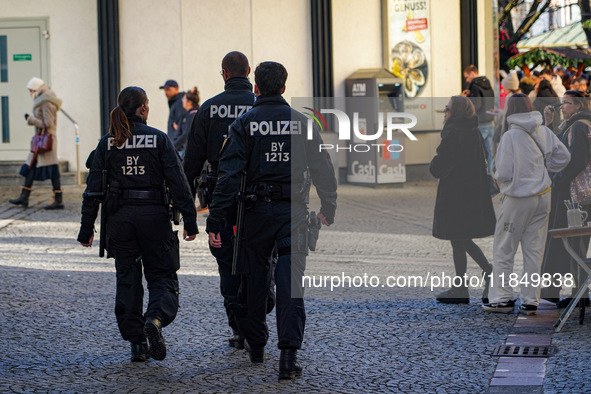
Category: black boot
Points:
column 153, row 331
column 236, row 341
column 140, row 351
column 288, row 365
column 57, row 200
column 23, row 199
column 255, row 354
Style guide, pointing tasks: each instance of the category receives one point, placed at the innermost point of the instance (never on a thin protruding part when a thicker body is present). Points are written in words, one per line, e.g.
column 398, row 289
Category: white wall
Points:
column 73, row 59
column 189, row 44
column 357, row 38
column 150, row 50
column 486, row 64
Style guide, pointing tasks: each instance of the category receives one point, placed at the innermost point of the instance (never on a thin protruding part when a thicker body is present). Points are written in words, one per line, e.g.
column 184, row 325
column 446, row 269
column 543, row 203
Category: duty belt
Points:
column 153, row 195
column 271, row 192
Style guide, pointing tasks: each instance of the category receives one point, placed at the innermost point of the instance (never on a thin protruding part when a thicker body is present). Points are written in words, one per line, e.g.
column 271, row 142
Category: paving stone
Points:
column 59, row 332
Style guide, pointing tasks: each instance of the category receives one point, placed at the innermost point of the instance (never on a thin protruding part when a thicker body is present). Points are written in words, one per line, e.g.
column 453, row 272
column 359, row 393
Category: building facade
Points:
column 86, row 50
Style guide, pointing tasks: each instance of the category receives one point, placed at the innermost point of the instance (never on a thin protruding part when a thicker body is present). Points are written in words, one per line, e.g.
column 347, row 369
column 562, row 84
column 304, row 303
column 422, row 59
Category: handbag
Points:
column 42, row 141
column 580, row 186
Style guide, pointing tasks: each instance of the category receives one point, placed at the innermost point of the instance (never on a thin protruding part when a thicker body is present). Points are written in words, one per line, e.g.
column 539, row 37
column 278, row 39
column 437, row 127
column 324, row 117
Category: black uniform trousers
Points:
column 229, row 284
column 268, row 224
column 142, row 235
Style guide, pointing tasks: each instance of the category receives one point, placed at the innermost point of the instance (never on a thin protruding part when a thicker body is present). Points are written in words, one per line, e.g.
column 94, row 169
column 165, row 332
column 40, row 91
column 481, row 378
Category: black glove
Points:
column 86, row 232
column 26, row 116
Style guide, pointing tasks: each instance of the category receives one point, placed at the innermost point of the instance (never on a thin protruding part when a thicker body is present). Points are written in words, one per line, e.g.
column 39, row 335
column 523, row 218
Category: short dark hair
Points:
column 471, row 68
column 579, row 98
column 581, row 80
column 546, row 71
column 270, row 78
column 236, row 64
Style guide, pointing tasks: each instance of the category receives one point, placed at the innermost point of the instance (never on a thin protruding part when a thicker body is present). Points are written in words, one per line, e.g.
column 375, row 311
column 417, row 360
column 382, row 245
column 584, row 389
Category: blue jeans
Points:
column 487, row 130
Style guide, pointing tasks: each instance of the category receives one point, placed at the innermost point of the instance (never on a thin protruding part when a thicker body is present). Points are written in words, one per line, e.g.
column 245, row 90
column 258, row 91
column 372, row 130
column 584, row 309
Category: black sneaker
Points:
column 527, row 309
column 500, row 307
column 152, row 330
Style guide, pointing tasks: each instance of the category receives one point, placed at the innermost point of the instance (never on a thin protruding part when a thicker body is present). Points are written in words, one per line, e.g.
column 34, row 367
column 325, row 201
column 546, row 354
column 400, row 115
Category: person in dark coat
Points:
column 463, row 208
column 574, row 133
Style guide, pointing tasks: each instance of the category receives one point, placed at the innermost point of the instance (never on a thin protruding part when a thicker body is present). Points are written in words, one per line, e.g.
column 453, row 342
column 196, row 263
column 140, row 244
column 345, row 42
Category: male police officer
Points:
column 270, row 143
column 208, row 131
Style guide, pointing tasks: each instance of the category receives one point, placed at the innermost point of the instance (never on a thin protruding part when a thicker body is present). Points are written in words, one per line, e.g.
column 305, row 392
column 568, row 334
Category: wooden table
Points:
column 565, row 234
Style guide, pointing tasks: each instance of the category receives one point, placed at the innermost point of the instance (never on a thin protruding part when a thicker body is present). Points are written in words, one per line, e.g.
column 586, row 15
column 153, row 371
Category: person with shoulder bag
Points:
column 527, row 153
column 42, row 162
column 574, row 132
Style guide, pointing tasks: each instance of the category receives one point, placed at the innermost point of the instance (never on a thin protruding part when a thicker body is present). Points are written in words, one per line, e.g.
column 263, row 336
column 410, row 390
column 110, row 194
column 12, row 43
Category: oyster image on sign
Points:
column 409, row 63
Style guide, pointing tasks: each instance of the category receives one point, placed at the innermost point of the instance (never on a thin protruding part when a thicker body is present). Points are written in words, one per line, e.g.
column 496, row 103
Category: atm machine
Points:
column 372, row 93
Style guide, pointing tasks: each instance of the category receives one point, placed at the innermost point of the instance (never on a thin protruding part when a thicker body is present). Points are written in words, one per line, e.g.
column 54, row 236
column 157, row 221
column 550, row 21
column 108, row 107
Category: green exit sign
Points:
column 22, row 57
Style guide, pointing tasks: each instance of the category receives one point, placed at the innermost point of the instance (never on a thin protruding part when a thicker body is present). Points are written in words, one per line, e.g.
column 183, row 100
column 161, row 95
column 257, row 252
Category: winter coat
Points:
column 45, row 107
column 521, row 171
column 463, row 208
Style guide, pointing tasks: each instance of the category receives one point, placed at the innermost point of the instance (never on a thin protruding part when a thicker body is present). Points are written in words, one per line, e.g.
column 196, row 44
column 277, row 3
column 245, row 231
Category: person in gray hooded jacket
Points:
column 527, row 152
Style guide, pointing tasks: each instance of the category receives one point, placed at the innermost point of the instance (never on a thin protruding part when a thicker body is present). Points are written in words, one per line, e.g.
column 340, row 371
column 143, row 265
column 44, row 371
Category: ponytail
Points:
column 119, row 128
column 129, row 100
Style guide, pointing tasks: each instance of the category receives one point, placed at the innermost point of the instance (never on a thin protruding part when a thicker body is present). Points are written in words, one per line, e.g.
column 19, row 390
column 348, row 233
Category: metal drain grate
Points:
column 524, row 351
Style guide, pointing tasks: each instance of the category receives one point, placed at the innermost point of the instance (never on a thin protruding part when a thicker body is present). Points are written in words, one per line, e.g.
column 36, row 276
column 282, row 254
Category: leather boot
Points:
column 23, row 199
column 57, row 200
column 288, row 365
column 236, row 341
column 153, row 331
column 255, row 354
column 140, row 351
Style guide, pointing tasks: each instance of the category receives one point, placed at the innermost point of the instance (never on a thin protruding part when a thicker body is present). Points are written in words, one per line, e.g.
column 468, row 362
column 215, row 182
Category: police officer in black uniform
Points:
column 139, row 161
column 271, row 144
column 208, row 131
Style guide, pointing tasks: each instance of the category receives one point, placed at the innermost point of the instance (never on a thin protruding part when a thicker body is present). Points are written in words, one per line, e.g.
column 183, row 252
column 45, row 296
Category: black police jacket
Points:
column 271, row 143
column 144, row 162
column 210, row 126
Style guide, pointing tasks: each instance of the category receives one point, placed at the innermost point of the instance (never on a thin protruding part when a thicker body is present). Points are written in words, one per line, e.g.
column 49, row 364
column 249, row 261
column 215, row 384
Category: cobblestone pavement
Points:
column 58, row 330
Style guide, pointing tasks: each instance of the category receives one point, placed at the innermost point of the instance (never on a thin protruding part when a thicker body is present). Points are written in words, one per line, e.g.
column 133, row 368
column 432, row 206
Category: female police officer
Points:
column 139, row 160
